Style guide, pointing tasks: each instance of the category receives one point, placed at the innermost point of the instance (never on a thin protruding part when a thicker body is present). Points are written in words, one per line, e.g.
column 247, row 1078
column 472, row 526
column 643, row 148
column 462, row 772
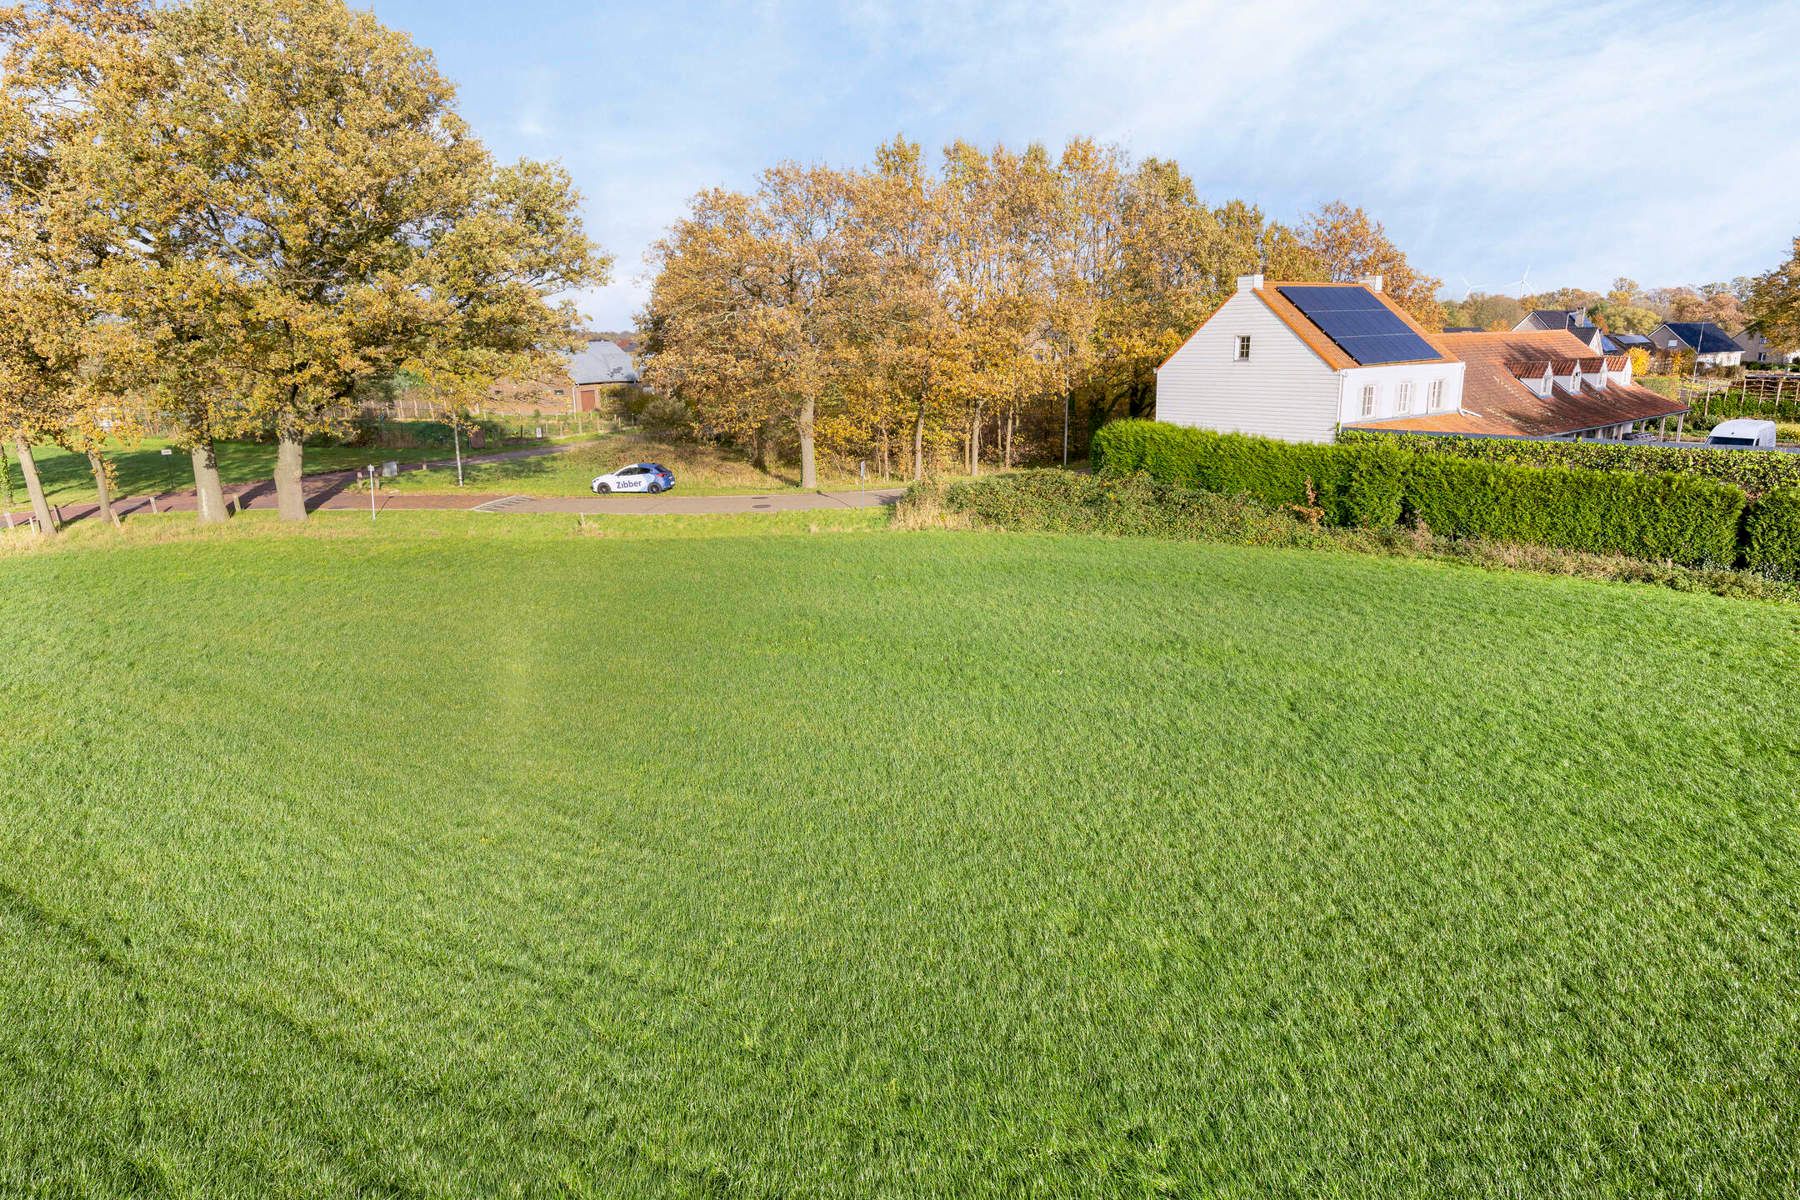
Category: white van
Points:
column 1743, row 431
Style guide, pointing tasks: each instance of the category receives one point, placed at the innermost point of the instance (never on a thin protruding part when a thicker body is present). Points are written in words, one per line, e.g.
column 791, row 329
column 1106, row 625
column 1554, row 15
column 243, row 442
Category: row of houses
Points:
column 1711, row 345
column 1302, row 361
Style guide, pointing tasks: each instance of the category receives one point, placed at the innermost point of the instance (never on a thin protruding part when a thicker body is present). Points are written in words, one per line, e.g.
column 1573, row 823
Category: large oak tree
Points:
column 303, row 170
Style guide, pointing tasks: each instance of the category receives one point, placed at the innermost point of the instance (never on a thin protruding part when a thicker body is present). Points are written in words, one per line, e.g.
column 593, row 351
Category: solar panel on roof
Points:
column 1361, row 325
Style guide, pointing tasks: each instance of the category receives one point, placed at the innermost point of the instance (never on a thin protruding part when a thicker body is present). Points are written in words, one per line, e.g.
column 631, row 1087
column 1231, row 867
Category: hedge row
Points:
column 1374, row 483
column 1659, row 517
column 1754, row 473
column 1772, row 534
column 1131, row 505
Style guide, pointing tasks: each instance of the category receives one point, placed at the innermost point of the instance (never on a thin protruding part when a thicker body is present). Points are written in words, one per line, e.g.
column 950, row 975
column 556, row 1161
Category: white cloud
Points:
column 1582, row 141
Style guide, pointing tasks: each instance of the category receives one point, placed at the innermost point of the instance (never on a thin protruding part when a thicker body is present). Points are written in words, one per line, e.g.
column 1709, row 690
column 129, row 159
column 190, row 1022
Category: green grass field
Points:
column 476, row 856
column 143, row 469
column 699, row 470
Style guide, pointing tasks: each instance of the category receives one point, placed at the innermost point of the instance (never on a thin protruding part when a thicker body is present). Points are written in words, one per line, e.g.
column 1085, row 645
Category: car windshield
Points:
column 1730, row 441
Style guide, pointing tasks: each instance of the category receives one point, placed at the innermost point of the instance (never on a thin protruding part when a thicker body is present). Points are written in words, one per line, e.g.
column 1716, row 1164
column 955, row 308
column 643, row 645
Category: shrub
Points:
column 1755, row 473
column 1682, row 519
column 1772, row 534
column 1132, row 505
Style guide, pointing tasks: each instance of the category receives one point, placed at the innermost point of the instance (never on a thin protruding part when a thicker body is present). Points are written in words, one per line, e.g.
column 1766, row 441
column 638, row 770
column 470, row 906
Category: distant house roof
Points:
column 1549, row 319
column 602, row 362
column 1703, row 337
column 1462, row 329
column 1572, row 320
column 1497, row 402
column 1630, row 341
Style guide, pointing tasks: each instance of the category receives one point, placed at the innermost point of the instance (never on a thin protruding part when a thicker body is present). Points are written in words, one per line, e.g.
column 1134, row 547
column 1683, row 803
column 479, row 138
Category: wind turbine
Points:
column 1524, row 282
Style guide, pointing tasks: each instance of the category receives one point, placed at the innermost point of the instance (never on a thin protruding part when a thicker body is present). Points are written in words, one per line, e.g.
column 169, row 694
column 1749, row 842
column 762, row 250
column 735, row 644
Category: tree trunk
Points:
column 975, row 443
column 209, row 497
column 809, row 467
column 98, row 465
column 918, row 440
column 290, row 498
column 759, row 448
column 34, row 487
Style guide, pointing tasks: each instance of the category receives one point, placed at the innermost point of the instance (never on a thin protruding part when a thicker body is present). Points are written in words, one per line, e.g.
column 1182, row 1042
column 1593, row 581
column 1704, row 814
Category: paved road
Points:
column 669, row 502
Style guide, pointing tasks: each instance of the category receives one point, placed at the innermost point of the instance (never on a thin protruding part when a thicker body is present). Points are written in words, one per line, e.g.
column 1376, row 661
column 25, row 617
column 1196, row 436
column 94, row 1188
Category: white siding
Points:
column 1387, row 380
column 1285, row 391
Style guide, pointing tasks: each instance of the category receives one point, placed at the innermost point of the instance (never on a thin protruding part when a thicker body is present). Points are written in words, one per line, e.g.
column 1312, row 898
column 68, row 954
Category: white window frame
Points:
column 1368, row 399
column 1403, row 397
column 1434, row 396
column 1243, row 348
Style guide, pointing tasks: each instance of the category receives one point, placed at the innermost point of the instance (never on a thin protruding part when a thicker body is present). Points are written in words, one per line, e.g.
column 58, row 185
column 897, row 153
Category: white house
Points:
column 1262, row 365
column 1710, row 345
column 1302, row 361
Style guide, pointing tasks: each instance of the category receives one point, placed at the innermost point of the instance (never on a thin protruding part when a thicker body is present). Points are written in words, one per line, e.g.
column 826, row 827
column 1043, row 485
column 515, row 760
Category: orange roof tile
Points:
column 1494, row 397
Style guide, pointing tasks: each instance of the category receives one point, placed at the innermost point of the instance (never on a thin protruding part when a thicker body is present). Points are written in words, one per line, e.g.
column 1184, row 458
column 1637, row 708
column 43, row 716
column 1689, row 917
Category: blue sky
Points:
column 1574, row 141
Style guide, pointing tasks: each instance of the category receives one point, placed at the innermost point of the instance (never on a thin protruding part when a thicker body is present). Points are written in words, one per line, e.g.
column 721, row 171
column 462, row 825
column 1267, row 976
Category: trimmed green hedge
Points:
column 1673, row 517
column 1755, row 473
column 1772, row 534
column 1376, row 482
column 1355, row 485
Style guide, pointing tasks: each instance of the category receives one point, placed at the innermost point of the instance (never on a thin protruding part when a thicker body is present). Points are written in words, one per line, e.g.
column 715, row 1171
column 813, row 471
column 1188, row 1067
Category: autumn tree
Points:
column 1774, row 305
column 304, row 168
column 56, row 53
column 748, row 313
column 958, row 301
column 900, row 347
column 485, row 283
column 1350, row 244
column 1714, row 302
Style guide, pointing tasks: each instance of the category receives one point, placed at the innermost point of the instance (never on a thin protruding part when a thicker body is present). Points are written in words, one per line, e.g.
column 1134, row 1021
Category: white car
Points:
column 638, row 477
column 1743, row 431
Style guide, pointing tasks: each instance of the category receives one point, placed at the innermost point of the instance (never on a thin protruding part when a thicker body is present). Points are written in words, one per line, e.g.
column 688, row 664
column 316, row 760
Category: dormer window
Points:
column 1403, row 397
column 1434, row 395
column 1368, row 400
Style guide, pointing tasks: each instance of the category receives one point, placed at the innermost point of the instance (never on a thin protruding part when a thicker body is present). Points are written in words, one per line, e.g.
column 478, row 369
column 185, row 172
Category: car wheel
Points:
column 603, row 488
column 655, row 488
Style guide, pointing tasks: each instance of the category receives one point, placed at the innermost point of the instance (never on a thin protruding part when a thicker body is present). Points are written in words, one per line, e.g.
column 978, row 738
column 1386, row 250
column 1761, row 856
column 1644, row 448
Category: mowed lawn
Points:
column 700, row 469
column 475, row 857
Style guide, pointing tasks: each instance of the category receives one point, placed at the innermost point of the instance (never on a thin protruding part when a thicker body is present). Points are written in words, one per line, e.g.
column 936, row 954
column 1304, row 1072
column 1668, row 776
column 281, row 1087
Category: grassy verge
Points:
column 143, row 468
column 699, row 470
column 348, row 860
